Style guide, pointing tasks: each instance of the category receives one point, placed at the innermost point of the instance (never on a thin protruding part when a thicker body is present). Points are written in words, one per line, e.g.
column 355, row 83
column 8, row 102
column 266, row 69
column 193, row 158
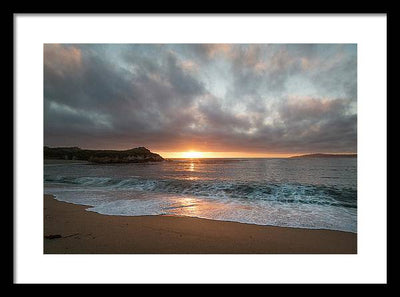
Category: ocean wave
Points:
column 279, row 192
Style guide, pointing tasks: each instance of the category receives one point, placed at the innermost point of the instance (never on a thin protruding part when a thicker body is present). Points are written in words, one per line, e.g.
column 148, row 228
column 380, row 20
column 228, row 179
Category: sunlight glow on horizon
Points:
column 199, row 155
column 192, row 155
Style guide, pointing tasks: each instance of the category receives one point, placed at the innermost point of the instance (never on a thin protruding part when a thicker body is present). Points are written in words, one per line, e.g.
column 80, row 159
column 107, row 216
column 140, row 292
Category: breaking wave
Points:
column 280, row 192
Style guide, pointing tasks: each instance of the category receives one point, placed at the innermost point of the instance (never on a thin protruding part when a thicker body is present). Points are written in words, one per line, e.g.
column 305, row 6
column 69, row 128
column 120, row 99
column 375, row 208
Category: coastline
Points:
column 78, row 231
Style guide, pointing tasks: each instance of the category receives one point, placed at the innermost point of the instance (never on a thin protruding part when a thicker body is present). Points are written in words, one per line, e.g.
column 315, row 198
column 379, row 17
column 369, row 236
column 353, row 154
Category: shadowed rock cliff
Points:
column 135, row 155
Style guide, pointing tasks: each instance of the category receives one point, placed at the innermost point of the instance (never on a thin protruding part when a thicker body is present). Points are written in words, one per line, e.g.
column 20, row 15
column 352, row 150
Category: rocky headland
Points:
column 135, row 155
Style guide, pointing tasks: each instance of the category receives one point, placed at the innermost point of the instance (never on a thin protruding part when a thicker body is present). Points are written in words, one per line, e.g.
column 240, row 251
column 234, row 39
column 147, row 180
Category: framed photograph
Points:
column 212, row 146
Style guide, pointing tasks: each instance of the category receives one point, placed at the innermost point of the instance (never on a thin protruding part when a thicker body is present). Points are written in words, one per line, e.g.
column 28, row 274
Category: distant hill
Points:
column 318, row 155
column 135, row 155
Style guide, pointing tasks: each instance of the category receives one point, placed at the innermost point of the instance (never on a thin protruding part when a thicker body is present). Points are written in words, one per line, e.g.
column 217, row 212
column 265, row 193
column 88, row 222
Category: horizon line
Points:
column 218, row 154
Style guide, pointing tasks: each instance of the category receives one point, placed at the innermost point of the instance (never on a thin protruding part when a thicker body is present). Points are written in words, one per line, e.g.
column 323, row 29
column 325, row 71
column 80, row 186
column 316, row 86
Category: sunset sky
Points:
column 224, row 100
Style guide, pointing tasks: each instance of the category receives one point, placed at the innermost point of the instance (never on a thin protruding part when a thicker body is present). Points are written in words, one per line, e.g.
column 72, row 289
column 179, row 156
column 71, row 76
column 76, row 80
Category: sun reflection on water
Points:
column 194, row 207
column 191, row 166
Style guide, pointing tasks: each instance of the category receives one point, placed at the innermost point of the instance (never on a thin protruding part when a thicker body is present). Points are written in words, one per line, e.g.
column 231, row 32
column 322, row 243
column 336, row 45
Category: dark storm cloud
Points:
column 96, row 91
column 262, row 98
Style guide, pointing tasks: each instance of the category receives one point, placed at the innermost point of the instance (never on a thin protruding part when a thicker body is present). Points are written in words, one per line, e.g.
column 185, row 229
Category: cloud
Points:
column 212, row 97
column 211, row 50
column 60, row 59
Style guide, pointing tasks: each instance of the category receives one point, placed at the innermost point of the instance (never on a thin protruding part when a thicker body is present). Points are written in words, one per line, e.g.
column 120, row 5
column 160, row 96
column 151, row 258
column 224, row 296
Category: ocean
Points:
column 318, row 193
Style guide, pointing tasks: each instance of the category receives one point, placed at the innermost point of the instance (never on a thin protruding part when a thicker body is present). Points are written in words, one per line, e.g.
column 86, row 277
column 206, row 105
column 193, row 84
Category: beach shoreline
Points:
column 70, row 229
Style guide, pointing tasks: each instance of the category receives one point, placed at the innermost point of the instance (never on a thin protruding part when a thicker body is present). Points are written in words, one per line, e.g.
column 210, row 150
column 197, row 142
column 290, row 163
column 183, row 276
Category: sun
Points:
column 192, row 154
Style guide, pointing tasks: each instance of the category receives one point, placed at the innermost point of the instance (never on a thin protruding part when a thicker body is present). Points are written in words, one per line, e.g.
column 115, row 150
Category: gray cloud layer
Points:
column 208, row 97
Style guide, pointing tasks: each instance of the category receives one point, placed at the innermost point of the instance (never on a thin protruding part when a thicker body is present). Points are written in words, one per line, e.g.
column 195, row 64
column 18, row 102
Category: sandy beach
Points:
column 73, row 230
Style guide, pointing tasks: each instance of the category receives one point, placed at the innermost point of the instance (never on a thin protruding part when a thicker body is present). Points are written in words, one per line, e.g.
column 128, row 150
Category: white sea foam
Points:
column 255, row 192
column 261, row 212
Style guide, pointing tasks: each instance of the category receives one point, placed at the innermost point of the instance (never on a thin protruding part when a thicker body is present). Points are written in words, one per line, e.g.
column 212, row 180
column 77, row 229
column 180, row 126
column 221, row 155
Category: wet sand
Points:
column 77, row 231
